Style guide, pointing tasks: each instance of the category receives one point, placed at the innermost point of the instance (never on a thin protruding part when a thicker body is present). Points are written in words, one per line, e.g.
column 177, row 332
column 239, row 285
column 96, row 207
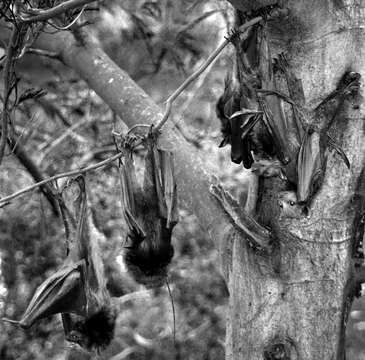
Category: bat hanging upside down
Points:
column 78, row 290
column 150, row 213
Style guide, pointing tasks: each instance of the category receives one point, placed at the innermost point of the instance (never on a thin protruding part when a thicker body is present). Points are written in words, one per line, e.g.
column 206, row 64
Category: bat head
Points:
column 290, row 208
column 148, row 260
column 95, row 331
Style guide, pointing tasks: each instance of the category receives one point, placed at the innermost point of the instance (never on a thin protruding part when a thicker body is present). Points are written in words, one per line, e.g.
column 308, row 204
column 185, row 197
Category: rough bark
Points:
column 297, row 306
column 292, row 304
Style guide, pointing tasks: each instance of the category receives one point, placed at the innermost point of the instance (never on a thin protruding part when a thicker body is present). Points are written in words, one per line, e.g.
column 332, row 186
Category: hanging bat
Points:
column 258, row 87
column 150, row 214
column 78, row 290
column 237, row 108
column 308, row 131
column 252, row 118
column 236, row 122
column 271, row 105
column 316, row 142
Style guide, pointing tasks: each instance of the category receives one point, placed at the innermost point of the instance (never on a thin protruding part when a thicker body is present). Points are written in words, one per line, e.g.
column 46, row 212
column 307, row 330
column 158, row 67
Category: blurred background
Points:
column 159, row 43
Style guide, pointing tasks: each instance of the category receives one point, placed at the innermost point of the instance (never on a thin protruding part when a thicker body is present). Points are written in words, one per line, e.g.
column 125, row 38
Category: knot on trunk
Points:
column 280, row 349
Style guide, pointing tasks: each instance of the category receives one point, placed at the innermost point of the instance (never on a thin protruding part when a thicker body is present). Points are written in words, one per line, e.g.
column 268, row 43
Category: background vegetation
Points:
column 159, row 43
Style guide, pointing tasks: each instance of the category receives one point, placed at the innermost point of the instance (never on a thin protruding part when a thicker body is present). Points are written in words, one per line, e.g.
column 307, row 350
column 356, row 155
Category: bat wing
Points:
column 275, row 119
column 309, row 166
column 62, row 292
column 169, row 186
column 296, row 93
column 160, row 163
column 129, row 187
column 237, row 150
column 276, row 132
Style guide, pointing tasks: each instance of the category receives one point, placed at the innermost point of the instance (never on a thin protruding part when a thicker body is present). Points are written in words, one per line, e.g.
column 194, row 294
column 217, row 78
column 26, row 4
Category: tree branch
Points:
column 212, row 57
column 132, row 105
column 36, row 174
column 43, row 15
column 59, row 176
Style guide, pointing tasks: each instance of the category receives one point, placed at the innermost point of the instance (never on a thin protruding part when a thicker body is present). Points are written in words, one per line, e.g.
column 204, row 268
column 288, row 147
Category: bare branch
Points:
column 34, row 171
column 42, row 15
column 212, row 57
column 59, row 176
column 44, row 53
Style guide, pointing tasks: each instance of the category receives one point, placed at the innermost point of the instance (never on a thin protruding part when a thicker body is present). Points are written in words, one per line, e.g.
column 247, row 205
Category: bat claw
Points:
column 233, row 34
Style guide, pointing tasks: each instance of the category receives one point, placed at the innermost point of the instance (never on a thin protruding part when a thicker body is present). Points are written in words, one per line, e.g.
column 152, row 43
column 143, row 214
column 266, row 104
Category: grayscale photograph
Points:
column 182, row 180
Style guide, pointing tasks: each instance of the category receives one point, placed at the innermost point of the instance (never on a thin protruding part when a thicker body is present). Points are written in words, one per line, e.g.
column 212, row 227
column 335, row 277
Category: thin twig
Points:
column 72, row 23
column 62, row 175
column 212, row 57
column 33, row 170
column 134, row 127
column 199, row 19
column 55, row 142
column 43, row 15
column 45, row 53
column 173, row 312
column 68, row 174
column 56, row 10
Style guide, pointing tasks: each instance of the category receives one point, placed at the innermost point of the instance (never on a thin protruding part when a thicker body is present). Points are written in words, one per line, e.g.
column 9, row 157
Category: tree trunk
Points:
column 295, row 304
column 292, row 303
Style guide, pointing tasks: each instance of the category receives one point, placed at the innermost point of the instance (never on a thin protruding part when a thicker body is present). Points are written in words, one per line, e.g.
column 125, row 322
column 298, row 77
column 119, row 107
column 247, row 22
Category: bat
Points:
column 250, row 112
column 290, row 208
column 316, row 142
column 150, row 213
column 236, row 122
column 224, row 109
column 78, row 290
column 308, row 131
column 274, row 118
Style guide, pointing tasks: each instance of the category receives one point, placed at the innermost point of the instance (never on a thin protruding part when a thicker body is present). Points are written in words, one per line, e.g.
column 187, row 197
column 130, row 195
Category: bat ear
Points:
column 63, row 292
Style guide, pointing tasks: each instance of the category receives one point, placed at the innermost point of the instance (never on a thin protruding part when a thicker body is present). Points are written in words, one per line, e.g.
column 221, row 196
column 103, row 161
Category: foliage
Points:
column 159, row 43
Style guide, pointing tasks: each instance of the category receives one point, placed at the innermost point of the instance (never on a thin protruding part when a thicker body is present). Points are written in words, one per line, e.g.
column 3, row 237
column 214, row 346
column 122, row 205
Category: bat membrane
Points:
column 78, row 290
column 150, row 212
